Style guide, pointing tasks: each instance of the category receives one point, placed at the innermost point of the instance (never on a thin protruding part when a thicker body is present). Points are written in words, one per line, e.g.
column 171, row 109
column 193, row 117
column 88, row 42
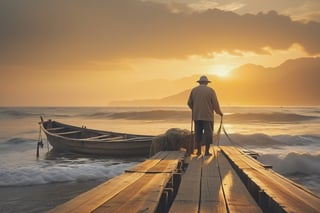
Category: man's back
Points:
column 203, row 102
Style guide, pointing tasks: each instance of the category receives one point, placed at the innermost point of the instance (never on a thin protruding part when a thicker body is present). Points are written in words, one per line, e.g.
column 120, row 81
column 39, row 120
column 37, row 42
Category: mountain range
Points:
column 294, row 82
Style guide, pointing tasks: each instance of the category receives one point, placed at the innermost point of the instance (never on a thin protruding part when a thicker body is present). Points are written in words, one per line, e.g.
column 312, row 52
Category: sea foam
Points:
column 55, row 173
column 293, row 162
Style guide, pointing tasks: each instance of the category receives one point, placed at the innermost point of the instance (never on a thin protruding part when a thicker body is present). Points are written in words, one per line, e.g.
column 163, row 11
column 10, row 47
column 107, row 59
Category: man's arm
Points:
column 216, row 104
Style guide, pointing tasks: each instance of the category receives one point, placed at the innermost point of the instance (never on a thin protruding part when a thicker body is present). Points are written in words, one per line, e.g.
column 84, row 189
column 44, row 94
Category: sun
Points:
column 221, row 70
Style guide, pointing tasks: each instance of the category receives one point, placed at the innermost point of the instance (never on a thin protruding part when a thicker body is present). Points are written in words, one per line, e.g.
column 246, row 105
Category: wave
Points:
column 293, row 163
column 186, row 116
column 167, row 114
column 57, row 173
column 16, row 144
column 15, row 141
column 20, row 113
column 233, row 118
column 152, row 115
column 276, row 117
column 17, row 113
column 303, row 168
column 97, row 115
column 263, row 140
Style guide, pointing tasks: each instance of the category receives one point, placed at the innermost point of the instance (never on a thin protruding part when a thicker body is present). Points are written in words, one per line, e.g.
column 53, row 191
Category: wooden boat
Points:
column 68, row 138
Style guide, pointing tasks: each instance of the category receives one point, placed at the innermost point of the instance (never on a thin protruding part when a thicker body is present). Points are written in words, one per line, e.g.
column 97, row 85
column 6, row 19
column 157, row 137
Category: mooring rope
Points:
column 232, row 142
column 40, row 140
column 39, row 143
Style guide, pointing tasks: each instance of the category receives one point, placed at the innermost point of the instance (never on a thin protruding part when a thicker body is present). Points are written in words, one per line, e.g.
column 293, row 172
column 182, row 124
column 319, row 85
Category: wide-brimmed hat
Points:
column 203, row 79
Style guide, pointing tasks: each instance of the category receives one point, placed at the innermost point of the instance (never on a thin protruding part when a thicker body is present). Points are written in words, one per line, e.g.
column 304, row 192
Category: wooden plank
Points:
column 279, row 193
column 285, row 193
column 235, row 153
column 68, row 133
column 143, row 196
column 237, row 196
column 54, row 129
column 89, row 200
column 121, row 138
column 187, row 198
column 169, row 163
column 210, row 165
column 98, row 137
column 112, row 139
column 149, row 163
column 212, row 199
column 135, row 189
column 165, row 161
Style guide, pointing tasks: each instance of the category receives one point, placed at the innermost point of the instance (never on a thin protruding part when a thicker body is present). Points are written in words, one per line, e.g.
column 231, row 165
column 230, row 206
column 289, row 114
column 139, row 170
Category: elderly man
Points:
column 203, row 102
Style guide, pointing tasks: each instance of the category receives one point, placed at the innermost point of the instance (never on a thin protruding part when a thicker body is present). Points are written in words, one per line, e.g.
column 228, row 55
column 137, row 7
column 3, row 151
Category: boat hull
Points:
column 118, row 144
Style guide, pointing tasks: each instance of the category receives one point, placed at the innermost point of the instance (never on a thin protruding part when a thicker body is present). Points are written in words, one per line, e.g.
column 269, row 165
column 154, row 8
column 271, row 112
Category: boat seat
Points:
column 111, row 138
column 55, row 128
column 98, row 137
column 68, row 133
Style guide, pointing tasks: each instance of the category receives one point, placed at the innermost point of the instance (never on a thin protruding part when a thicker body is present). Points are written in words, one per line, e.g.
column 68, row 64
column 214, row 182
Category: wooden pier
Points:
column 228, row 181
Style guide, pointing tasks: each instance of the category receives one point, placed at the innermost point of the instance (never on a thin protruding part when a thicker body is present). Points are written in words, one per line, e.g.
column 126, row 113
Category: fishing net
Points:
column 173, row 139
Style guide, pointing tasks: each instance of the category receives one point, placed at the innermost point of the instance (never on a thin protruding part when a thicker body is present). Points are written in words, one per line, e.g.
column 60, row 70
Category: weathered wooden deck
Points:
column 228, row 181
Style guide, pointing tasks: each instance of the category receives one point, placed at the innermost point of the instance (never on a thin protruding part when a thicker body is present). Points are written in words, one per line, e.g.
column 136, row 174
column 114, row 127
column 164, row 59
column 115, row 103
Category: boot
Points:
column 207, row 153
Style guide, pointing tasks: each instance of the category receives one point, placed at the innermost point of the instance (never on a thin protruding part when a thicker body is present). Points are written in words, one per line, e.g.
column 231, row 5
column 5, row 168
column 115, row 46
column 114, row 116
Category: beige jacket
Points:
column 203, row 101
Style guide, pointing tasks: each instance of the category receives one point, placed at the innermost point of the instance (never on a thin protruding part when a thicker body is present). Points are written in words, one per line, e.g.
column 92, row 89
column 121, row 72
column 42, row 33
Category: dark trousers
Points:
column 203, row 132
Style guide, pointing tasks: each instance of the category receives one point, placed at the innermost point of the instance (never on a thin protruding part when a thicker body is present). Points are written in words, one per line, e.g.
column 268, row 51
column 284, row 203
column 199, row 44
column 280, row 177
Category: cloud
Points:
column 297, row 9
column 308, row 10
column 76, row 32
column 205, row 5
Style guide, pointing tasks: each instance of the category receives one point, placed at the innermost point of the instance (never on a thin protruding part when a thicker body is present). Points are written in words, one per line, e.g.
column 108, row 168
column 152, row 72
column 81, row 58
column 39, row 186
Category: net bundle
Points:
column 173, row 139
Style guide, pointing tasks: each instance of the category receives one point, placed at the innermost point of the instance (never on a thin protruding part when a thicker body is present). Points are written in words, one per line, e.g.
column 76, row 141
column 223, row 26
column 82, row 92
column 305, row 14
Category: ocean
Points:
column 288, row 138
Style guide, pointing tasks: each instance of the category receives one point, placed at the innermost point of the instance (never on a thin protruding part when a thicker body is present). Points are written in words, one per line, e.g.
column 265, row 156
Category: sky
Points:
column 89, row 53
